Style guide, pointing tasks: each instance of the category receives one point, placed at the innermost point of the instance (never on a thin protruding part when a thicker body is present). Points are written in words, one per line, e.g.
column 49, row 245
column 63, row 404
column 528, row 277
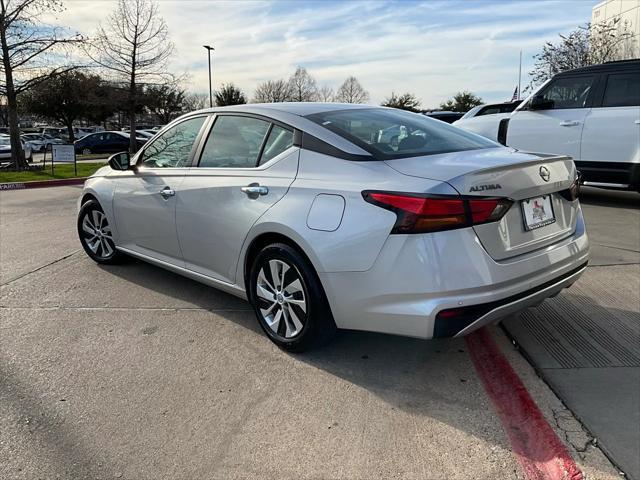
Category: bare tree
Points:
column 195, row 101
column 134, row 47
column 326, row 94
column 590, row 44
column 272, row 91
column 303, row 86
column 351, row 91
column 29, row 50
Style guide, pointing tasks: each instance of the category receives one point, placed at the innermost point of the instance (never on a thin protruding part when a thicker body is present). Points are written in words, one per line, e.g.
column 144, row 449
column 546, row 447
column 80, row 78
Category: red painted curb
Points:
column 42, row 183
column 540, row 452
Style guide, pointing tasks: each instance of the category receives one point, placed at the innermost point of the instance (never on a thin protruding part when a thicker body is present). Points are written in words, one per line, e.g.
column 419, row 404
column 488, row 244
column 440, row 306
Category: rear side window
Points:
column 279, row 140
column 388, row 133
column 622, row 90
column 570, row 92
column 234, row 142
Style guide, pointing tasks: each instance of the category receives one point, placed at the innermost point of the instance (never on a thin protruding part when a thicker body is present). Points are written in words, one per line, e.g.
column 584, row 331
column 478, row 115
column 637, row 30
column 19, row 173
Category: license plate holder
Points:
column 537, row 212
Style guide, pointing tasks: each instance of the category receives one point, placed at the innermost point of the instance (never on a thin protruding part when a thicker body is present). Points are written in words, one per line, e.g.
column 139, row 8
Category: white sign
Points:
column 63, row 153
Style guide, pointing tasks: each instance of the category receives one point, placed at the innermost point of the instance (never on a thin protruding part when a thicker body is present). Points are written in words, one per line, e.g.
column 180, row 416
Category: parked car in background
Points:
column 56, row 132
column 39, row 142
column 591, row 114
column 5, row 149
column 445, row 116
column 484, row 119
column 302, row 209
column 105, row 142
column 491, row 109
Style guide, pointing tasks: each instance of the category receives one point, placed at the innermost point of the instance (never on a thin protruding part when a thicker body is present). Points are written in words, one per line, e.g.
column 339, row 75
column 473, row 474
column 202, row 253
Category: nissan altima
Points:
column 321, row 221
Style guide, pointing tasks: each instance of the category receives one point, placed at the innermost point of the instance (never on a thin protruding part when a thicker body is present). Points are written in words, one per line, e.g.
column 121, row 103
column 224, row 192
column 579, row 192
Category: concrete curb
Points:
column 42, row 183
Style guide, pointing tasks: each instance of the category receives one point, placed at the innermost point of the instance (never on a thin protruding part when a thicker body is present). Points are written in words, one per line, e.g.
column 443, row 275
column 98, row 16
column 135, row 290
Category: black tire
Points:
column 318, row 325
column 98, row 245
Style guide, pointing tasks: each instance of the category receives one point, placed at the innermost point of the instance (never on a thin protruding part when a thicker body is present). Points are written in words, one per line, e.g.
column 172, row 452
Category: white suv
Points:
column 591, row 114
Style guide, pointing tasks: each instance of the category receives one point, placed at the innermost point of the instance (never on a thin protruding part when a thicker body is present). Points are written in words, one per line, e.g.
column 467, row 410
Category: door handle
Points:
column 167, row 192
column 254, row 190
column 569, row 123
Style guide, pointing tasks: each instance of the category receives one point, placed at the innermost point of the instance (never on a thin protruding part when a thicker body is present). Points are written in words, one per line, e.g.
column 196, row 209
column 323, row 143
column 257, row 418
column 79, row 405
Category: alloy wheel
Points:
column 96, row 234
column 281, row 298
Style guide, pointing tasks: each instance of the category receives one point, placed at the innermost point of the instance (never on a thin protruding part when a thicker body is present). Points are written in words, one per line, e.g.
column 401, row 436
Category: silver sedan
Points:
column 311, row 213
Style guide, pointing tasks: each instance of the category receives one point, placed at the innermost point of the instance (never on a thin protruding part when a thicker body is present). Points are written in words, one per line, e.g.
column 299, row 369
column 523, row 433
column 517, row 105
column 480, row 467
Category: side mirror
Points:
column 538, row 102
column 120, row 161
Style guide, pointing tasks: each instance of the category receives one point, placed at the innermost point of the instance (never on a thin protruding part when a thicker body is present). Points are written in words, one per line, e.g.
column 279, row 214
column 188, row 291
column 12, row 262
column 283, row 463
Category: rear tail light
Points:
column 573, row 192
column 422, row 214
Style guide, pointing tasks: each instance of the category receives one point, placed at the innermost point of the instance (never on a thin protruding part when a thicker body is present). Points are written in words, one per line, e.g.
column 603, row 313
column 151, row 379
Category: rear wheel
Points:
column 288, row 299
column 95, row 234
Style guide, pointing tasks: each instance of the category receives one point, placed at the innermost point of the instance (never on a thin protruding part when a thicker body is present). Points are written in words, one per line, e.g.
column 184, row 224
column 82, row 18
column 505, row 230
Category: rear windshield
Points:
column 389, row 133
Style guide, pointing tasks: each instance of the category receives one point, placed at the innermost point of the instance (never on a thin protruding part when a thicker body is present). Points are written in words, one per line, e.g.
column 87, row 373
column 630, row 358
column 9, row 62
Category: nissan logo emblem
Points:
column 545, row 174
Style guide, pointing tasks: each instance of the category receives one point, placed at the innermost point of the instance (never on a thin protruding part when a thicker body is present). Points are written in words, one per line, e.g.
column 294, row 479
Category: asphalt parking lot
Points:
column 133, row 372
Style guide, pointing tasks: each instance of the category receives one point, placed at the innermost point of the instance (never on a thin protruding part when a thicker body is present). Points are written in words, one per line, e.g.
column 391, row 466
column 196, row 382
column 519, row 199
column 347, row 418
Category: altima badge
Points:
column 482, row 188
column 545, row 174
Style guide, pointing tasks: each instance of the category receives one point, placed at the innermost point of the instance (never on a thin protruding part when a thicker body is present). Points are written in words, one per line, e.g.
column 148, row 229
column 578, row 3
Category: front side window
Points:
column 389, row 133
column 173, row 147
column 234, row 142
column 569, row 92
column 623, row 90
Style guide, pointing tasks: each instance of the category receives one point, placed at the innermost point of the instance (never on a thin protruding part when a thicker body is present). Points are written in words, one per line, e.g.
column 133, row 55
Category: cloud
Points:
column 432, row 49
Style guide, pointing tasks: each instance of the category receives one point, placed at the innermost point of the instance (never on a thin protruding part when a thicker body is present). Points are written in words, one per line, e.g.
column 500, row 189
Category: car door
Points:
column 611, row 137
column 145, row 198
column 556, row 127
column 247, row 164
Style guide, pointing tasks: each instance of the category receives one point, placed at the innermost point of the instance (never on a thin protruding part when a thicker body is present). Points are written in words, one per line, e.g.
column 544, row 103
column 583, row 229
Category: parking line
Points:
column 540, row 452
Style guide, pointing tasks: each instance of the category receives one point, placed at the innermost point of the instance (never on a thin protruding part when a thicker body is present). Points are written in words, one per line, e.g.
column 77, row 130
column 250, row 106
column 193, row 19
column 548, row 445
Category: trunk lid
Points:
column 505, row 173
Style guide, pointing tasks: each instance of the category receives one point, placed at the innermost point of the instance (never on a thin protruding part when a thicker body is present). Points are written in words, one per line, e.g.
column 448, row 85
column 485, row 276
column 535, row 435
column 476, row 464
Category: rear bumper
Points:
column 416, row 277
column 477, row 316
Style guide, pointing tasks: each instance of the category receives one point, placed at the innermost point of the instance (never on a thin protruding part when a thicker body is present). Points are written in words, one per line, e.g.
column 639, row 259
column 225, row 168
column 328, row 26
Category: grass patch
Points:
column 60, row 171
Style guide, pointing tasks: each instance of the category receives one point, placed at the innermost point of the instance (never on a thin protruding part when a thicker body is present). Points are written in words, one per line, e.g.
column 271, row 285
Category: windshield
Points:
column 389, row 133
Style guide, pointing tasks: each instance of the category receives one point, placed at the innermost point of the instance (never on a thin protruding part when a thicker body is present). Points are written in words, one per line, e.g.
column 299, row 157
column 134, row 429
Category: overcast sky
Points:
column 430, row 48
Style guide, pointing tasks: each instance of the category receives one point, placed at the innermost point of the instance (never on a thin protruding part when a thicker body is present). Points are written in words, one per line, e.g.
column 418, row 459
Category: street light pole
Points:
column 210, row 91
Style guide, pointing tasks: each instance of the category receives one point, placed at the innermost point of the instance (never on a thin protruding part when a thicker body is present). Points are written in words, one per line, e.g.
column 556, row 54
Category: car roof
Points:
column 301, row 109
column 604, row 67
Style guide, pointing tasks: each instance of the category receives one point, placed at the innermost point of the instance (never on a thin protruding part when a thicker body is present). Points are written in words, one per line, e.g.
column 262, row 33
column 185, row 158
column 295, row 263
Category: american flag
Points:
column 515, row 95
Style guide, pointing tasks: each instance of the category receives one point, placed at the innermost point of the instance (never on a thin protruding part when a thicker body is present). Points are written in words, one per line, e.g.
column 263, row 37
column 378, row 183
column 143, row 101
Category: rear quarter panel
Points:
column 364, row 229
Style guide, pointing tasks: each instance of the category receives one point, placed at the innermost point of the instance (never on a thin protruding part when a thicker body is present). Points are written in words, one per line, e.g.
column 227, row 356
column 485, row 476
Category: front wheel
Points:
column 95, row 234
column 288, row 299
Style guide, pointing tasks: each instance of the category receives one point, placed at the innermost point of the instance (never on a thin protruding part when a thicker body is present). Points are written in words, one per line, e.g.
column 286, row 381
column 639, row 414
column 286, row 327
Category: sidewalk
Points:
column 585, row 343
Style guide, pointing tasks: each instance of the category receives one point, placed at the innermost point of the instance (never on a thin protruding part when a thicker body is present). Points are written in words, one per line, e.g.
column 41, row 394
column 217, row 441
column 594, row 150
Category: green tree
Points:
column 229, row 94
column 406, row 101
column 164, row 101
column 461, row 102
column 65, row 98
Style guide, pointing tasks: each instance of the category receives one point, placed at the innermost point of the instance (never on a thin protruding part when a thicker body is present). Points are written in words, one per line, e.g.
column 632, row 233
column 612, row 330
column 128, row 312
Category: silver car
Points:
column 313, row 215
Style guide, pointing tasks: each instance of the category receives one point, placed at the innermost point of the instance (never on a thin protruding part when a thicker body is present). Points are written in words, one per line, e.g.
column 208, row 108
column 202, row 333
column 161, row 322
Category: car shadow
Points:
column 433, row 378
